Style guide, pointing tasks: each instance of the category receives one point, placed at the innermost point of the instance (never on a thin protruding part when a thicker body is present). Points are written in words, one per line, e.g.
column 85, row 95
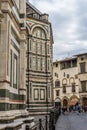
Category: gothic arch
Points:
column 65, row 101
column 57, row 102
column 65, row 97
column 64, row 81
column 57, row 99
column 71, row 80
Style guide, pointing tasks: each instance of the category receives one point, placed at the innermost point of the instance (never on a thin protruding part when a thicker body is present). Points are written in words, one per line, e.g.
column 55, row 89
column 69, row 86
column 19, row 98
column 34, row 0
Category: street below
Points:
column 72, row 121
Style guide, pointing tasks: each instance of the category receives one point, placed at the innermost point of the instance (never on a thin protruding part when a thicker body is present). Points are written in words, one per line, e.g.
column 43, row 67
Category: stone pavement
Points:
column 72, row 121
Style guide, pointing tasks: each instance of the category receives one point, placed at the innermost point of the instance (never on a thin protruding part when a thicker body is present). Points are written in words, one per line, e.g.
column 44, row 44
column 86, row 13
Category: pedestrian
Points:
column 74, row 108
column 62, row 110
column 79, row 108
column 53, row 127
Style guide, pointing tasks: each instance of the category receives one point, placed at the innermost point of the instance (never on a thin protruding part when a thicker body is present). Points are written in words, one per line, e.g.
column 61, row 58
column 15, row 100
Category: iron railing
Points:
column 40, row 125
column 48, row 123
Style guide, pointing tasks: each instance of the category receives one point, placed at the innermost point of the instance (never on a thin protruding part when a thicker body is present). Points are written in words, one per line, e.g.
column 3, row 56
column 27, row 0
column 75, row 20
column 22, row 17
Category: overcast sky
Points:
column 69, row 24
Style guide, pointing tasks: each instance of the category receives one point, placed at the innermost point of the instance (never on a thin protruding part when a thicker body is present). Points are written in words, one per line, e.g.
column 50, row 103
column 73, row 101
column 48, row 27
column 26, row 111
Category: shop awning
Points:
column 73, row 102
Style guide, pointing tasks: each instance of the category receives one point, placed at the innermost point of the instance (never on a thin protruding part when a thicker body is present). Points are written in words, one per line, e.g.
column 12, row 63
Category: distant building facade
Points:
column 82, row 77
column 12, row 59
column 70, row 81
column 39, row 61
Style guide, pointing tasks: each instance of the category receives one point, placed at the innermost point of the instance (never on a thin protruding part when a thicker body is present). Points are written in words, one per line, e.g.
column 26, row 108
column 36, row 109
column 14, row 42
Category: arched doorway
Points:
column 57, row 103
column 65, row 103
column 85, row 103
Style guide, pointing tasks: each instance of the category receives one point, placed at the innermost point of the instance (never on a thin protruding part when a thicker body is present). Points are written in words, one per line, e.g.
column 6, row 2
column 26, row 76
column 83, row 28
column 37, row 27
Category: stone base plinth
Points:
column 9, row 116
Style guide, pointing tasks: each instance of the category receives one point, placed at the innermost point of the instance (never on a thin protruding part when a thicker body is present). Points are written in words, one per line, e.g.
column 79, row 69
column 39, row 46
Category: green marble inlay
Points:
column 4, row 106
column 4, row 93
column 8, row 106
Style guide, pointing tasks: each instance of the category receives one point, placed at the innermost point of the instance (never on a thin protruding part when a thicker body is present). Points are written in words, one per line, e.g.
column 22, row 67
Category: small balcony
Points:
column 82, row 76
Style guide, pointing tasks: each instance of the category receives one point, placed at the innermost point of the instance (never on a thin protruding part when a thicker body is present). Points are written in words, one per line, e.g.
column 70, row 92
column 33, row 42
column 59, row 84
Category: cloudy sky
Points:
column 69, row 24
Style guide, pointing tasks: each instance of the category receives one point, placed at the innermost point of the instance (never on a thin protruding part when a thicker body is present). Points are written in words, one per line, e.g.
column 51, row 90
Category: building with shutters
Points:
column 70, row 81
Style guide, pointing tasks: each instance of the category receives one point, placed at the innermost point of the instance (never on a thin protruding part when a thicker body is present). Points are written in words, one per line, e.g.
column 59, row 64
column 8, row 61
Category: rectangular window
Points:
column 30, row 63
column 64, row 89
column 67, row 75
column 82, row 67
column 56, row 75
column 83, row 86
column 57, row 83
column 34, row 63
column 34, row 46
column 48, row 65
column 43, row 48
column 43, row 64
column 62, row 65
column 49, row 92
column 48, row 49
column 36, row 94
column 30, row 90
column 15, row 72
column 11, row 69
column 38, row 64
column 40, row 33
column 56, row 64
column 57, row 92
column 73, row 87
column 42, row 94
column 40, row 48
column 68, row 64
column 74, row 63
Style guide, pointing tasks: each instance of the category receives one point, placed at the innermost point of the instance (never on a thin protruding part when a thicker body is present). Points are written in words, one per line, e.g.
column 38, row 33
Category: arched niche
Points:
column 71, row 80
column 64, row 81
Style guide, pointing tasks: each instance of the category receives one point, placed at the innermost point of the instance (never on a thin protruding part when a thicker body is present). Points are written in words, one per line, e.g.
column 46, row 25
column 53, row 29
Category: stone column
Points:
column 22, row 89
column 3, row 50
column 22, row 68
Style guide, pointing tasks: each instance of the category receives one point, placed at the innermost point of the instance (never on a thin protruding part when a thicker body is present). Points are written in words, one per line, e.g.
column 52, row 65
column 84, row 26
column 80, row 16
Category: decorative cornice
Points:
column 4, row 81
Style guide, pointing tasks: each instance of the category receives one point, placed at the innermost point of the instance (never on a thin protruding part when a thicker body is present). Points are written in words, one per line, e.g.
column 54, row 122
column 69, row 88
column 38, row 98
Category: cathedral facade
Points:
column 39, row 61
column 12, row 59
column 25, row 60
